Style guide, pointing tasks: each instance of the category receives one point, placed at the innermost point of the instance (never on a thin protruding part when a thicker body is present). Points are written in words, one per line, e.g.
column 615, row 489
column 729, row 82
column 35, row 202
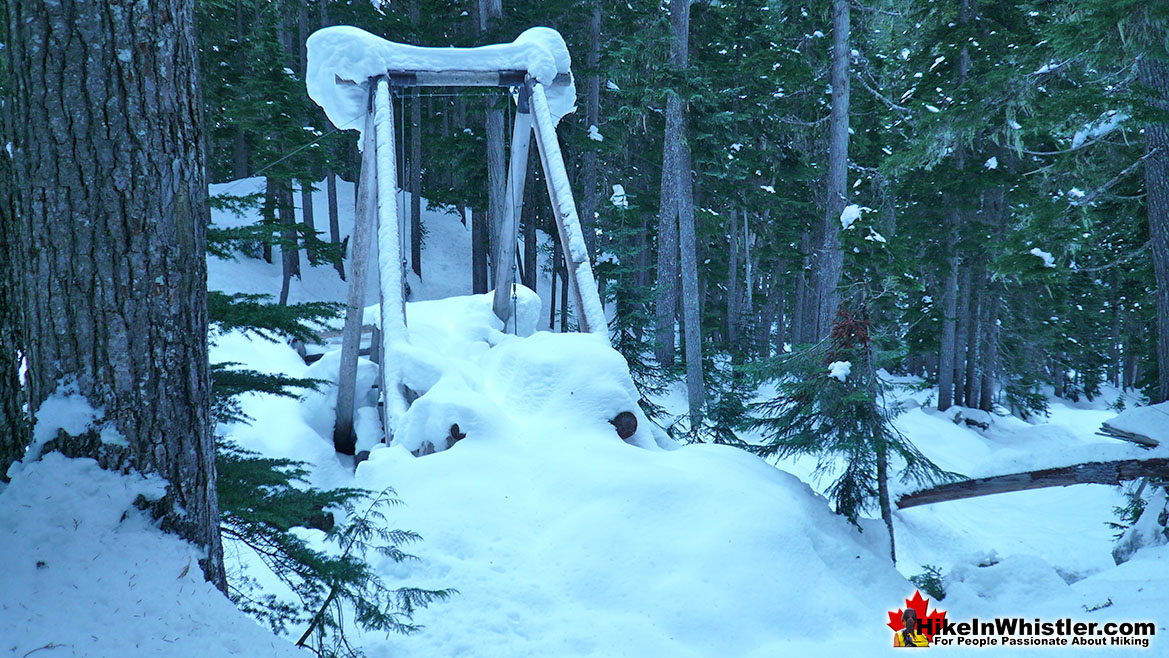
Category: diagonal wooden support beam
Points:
column 391, row 261
column 517, row 172
column 580, row 272
column 344, row 440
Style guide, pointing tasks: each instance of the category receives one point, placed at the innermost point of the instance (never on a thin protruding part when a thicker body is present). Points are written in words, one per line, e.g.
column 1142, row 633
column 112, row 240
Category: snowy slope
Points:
column 562, row 539
column 85, row 573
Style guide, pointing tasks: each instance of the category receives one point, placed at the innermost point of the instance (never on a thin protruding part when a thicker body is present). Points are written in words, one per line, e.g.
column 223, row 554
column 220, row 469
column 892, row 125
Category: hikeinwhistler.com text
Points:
column 1019, row 632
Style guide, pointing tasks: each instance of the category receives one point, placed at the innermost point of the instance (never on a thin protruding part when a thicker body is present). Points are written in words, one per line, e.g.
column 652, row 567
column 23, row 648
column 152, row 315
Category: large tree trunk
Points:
column 111, row 196
column 831, row 258
column 1154, row 75
column 14, row 425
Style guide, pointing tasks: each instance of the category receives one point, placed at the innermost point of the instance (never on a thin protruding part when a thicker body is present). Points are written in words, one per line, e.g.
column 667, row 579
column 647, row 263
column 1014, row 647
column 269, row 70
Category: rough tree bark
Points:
column 111, row 197
column 831, row 258
column 13, row 422
column 1154, row 75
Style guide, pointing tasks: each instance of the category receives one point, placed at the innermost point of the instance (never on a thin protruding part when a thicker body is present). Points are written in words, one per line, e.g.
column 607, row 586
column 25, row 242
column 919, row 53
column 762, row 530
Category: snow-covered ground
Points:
column 564, row 540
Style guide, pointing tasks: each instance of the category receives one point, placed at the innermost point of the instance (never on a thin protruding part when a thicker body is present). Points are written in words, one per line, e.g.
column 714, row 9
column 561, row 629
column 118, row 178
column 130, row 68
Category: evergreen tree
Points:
column 831, row 405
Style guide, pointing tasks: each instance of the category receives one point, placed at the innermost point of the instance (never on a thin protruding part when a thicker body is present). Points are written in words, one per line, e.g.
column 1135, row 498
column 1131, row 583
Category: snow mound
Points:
column 564, row 541
column 342, row 58
column 467, row 371
column 88, row 574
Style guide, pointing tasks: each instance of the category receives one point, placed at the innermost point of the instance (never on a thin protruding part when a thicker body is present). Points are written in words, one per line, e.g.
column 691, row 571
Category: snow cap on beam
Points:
column 341, row 59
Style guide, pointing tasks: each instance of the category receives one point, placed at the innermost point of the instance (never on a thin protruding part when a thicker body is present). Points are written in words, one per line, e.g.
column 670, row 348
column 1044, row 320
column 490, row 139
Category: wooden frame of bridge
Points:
column 377, row 208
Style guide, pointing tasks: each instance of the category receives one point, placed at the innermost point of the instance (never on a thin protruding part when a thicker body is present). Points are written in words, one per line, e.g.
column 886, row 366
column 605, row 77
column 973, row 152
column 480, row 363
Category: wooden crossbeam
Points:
column 466, row 78
column 1111, row 472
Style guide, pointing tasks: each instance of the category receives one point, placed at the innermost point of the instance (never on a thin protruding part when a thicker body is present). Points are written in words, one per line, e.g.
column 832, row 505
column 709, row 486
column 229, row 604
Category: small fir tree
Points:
column 830, row 404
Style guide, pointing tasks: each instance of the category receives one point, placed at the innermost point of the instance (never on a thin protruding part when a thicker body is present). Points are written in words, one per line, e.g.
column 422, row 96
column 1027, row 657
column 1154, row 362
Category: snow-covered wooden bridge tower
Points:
column 352, row 75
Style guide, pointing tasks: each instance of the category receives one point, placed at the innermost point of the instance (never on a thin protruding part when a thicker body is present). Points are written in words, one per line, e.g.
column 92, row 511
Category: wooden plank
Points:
column 1124, row 435
column 344, row 439
column 391, row 267
column 517, row 172
column 1113, row 472
column 508, row 78
column 584, row 292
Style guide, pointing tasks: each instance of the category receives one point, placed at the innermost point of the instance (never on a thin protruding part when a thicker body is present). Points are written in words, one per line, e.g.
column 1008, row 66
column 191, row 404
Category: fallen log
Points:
column 1113, row 472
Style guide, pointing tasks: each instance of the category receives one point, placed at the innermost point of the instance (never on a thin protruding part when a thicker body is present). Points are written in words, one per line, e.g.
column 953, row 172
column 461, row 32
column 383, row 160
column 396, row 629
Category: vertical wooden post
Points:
column 344, row 441
column 391, row 270
column 576, row 257
column 517, row 172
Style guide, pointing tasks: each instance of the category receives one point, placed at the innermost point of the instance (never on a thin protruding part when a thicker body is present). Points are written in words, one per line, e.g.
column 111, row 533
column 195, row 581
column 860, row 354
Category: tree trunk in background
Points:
column 962, row 333
column 666, row 302
column 111, row 196
column 289, row 255
column 531, row 260
column 947, row 357
column 334, row 219
column 415, row 173
column 589, row 197
column 831, row 258
column 691, row 294
column 732, row 303
column 239, row 142
column 883, row 497
column 306, row 211
column 989, row 350
column 552, row 285
column 772, row 314
column 974, row 333
column 676, row 233
column 804, row 295
column 1154, row 75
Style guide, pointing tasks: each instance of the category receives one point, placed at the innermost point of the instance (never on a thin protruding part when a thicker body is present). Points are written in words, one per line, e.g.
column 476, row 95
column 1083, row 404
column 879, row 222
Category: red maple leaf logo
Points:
column 920, row 606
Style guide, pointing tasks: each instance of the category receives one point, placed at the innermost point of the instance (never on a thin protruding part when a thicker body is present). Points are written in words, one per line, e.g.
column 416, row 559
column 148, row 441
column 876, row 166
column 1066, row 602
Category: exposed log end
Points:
column 344, row 440
column 626, row 424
